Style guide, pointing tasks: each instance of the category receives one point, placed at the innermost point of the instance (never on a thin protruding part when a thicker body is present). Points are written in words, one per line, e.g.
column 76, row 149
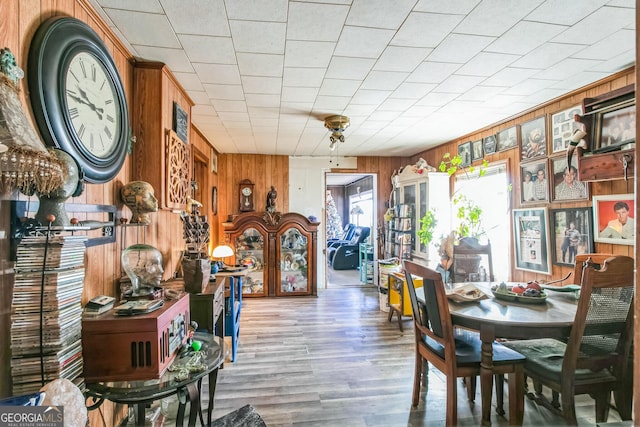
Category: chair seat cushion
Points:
column 545, row 357
column 468, row 350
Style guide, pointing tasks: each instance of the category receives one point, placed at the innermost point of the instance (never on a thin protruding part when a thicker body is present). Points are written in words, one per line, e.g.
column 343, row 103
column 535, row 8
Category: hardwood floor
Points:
column 335, row 360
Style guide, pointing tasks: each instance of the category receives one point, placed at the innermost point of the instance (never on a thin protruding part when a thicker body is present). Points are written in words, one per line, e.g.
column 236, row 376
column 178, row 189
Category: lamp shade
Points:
column 222, row 251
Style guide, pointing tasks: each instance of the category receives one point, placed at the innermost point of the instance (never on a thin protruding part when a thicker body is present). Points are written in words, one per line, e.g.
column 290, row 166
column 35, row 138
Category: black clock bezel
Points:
column 54, row 45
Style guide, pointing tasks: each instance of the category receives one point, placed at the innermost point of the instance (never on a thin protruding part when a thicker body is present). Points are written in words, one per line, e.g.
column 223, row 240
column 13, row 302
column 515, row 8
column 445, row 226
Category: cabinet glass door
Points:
column 293, row 248
column 249, row 248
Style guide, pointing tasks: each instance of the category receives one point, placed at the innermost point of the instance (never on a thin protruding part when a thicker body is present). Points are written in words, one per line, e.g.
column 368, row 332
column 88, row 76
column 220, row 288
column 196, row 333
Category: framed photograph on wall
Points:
column 534, row 185
column 507, row 139
column 533, row 139
column 564, row 181
column 531, row 240
column 613, row 219
column 562, row 127
column 616, row 126
column 571, row 232
column 476, row 150
column 489, row 144
column 464, row 151
column 180, row 122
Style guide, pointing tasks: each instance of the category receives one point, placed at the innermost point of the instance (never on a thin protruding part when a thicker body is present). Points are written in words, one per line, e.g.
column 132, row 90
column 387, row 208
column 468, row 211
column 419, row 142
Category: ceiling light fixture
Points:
column 336, row 124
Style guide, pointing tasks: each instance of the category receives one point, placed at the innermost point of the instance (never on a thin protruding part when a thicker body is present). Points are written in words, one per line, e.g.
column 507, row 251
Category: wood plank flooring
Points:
column 335, row 360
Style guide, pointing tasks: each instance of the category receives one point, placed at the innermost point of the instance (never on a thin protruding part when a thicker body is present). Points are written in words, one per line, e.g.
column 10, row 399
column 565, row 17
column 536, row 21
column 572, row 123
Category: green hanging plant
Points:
column 427, row 225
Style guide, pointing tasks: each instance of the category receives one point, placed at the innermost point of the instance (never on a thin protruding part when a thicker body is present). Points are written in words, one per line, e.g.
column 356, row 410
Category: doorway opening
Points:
column 350, row 218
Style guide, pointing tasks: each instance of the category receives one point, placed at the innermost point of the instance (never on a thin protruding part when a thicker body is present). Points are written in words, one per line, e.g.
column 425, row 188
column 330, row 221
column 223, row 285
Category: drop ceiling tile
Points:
column 314, row 21
column 260, row 64
column 459, row 7
column 229, row 117
column 227, row 105
column 412, row 90
column 379, row 13
column 263, row 112
column 525, row 36
column 204, row 110
column 384, row 80
column 481, row 93
column 437, row 99
column 360, row 109
column 151, row 6
column 337, row 87
column 547, row 55
column 459, row 48
column 211, row 18
column 175, row 59
column 395, row 58
column 349, row 68
column 299, row 94
column 486, row 64
column 609, row 47
column 303, row 77
column 494, row 17
column 578, row 80
column 308, row 53
column 300, row 109
column 600, row 24
column 432, row 72
column 264, row 126
column 618, row 63
column 189, row 81
column 563, row 12
column 458, row 84
column 266, row 85
column 257, row 10
column 232, row 92
column 331, row 103
column 258, row 37
column 218, row 73
column 565, row 69
column 421, row 111
column 261, row 100
column 217, row 50
column 395, row 104
column 529, row 87
column 359, row 42
column 425, row 29
column 509, row 76
column 199, row 97
column 502, row 100
column 145, row 28
column 460, row 106
column 368, row 97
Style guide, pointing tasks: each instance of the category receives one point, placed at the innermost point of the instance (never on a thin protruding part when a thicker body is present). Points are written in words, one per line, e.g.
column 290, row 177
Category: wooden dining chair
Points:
column 596, row 358
column 468, row 257
column 454, row 352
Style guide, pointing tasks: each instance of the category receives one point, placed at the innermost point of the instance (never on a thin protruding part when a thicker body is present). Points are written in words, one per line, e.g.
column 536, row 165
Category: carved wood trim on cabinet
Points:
column 178, row 183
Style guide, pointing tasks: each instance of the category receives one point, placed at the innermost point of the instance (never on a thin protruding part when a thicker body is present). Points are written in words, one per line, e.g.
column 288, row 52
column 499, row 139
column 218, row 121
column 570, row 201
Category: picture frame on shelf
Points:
column 563, row 125
column 534, row 185
column 565, row 185
column 571, row 232
column 464, row 151
column 613, row 219
column 615, row 126
column 489, row 144
column 533, row 139
column 476, row 150
column 507, row 139
column 180, row 122
column 531, row 240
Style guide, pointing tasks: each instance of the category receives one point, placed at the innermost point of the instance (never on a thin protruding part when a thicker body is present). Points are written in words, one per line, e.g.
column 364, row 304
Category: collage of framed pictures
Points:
column 562, row 127
column 532, row 240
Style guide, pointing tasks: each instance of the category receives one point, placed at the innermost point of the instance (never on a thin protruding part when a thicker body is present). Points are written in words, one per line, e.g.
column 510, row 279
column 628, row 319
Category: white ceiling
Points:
column 410, row 74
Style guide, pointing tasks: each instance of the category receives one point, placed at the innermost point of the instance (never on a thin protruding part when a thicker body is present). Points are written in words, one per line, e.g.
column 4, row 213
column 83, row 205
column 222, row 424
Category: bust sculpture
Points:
column 140, row 198
column 271, row 199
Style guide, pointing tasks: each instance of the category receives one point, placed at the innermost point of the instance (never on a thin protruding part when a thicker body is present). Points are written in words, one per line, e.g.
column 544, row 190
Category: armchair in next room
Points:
column 345, row 256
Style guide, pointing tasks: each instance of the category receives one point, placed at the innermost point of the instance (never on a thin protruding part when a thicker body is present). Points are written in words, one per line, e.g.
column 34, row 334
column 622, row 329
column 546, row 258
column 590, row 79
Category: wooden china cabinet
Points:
column 280, row 251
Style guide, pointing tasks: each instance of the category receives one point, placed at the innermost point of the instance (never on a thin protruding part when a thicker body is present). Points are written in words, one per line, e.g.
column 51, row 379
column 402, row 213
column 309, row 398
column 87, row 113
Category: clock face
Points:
column 78, row 98
column 246, row 191
column 92, row 104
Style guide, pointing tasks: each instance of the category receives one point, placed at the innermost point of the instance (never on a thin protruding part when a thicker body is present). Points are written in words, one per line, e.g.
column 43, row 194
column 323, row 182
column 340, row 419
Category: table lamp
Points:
column 222, row 252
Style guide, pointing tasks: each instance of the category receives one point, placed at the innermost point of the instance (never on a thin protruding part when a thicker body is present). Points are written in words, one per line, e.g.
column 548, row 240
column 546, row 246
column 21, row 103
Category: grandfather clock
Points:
column 246, row 196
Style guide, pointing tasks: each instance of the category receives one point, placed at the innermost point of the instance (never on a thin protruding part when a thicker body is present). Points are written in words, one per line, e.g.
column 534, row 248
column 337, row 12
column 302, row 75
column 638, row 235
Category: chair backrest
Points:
column 602, row 333
column 431, row 317
column 467, row 259
column 360, row 234
column 596, row 259
column 348, row 231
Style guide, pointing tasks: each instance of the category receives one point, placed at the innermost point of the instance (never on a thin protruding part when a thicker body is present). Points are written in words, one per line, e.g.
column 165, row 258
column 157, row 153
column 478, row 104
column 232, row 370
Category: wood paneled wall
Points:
column 434, row 156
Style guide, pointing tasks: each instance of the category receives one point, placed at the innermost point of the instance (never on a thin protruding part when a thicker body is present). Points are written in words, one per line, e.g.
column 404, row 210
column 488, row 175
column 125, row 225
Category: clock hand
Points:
column 85, row 100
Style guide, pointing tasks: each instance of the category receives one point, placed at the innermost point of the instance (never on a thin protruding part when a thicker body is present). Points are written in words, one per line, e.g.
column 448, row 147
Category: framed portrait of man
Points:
column 564, row 180
column 613, row 218
column 533, row 139
column 571, row 232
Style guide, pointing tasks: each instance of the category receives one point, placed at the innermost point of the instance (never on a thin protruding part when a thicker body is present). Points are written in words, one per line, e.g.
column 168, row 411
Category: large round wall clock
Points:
column 77, row 97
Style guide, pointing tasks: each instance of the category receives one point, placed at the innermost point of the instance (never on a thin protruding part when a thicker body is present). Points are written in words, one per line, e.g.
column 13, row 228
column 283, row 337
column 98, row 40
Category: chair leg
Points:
column 516, row 396
column 555, row 399
column 569, row 408
column 603, row 402
column 470, row 384
column 500, row 394
column 452, row 401
column 417, row 376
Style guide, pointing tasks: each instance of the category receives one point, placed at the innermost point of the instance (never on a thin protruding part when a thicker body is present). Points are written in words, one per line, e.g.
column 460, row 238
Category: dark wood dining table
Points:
column 495, row 318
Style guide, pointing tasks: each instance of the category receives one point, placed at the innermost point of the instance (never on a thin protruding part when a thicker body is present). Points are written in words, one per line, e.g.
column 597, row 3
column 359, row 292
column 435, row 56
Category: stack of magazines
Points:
column 46, row 314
